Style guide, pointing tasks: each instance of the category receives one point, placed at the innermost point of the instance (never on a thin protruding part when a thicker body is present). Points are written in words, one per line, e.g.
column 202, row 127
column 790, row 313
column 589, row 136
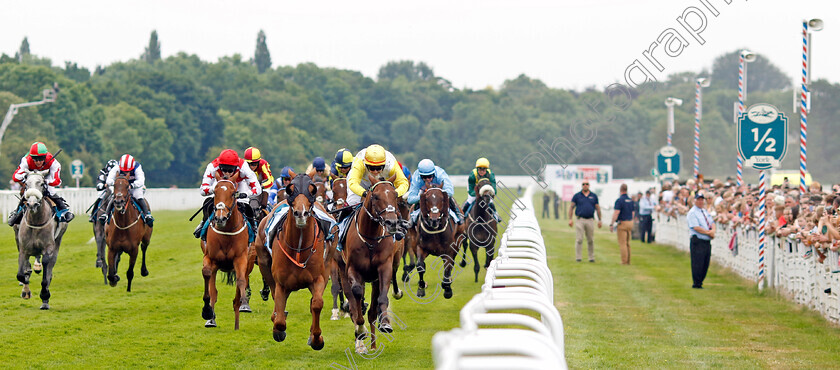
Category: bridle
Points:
column 127, row 197
column 376, row 216
column 221, row 206
column 43, row 190
column 445, row 216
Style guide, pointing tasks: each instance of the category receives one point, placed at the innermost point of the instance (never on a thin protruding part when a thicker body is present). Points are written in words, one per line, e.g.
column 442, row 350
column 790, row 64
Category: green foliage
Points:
column 152, row 53
column 23, row 50
column 262, row 58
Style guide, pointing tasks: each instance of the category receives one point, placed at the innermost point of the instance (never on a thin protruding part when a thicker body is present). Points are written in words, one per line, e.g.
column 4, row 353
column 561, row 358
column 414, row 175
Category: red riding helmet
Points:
column 38, row 149
column 229, row 157
column 127, row 163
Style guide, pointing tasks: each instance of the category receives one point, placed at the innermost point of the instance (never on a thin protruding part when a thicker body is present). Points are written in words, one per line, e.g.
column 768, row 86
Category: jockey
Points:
column 229, row 163
column 318, row 168
column 101, row 186
column 481, row 171
column 40, row 159
column 259, row 166
column 428, row 174
column 376, row 161
column 341, row 164
column 137, row 178
column 280, row 184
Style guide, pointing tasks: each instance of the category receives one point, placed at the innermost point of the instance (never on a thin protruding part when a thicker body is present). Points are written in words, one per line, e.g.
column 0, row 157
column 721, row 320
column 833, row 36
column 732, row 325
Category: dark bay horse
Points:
column 99, row 236
column 125, row 233
column 437, row 235
column 368, row 257
column 298, row 259
column 338, row 201
column 409, row 243
column 481, row 227
column 39, row 235
column 226, row 249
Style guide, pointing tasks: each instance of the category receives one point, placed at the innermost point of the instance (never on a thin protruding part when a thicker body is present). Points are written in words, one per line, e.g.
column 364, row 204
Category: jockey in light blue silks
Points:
column 427, row 172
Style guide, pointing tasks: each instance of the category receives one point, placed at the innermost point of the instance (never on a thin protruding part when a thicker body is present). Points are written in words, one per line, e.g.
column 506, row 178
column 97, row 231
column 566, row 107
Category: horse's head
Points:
column 224, row 196
column 301, row 195
column 339, row 192
column 434, row 205
column 484, row 190
column 122, row 193
column 35, row 188
column 321, row 189
column 381, row 202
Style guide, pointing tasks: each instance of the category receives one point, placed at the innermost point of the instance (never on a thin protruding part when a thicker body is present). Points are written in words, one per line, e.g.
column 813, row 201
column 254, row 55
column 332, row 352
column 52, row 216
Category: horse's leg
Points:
column 373, row 312
column 147, row 235
column 240, row 267
column 129, row 274
column 112, row 267
column 316, row 341
column 48, row 261
column 23, row 274
column 279, row 315
column 448, row 263
column 467, row 242
column 335, row 288
column 355, row 292
column 491, row 250
column 264, row 262
column 386, row 276
column 398, row 294
column 476, row 267
column 421, row 270
column 99, row 235
column 208, row 271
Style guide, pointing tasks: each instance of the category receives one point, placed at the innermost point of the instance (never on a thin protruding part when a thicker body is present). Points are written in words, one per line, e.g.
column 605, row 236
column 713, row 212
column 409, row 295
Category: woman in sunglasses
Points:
column 40, row 159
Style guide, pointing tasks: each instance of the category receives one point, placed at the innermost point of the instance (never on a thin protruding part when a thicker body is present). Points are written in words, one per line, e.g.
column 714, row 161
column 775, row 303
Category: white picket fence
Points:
column 517, row 280
column 80, row 199
column 792, row 268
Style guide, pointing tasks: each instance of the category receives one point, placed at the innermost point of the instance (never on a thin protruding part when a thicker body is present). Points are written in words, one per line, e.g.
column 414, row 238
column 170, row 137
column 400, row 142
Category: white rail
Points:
column 517, row 280
column 792, row 267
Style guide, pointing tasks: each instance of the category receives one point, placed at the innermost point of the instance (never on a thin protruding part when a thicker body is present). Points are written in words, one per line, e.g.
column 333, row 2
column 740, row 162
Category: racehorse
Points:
column 481, row 227
column 226, row 249
column 437, row 235
column 125, row 232
column 321, row 189
column 99, row 236
column 338, row 201
column 261, row 205
column 368, row 257
column 298, row 251
column 39, row 234
column 408, row 243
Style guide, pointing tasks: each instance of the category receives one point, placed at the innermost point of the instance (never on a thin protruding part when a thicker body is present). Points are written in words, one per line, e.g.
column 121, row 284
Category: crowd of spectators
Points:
column 809, row 217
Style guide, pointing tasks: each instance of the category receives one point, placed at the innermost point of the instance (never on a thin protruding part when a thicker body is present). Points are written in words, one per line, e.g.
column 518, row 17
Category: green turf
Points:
column 646, row 315
column 159, row 323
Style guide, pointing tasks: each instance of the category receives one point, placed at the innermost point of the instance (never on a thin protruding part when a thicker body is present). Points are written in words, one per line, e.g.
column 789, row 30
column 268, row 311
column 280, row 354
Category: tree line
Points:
column 175, row 114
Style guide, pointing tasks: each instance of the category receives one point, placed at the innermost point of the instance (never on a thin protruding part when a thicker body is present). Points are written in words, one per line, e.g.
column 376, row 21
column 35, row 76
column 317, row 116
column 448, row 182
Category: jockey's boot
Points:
column 454, row 207
column 464, row 208
column 61, row 205
column 16, row 215
column 147, row 213
column 206, row 210
column 109, row 207
column 495, row 213
column 94, row 208
column 248, row 213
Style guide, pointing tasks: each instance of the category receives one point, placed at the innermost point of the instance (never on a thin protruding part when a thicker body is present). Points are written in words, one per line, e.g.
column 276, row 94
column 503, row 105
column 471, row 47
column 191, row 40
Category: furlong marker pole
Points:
column 803, row 111
column 697, row 108
column 742, row 95
column 762, row 224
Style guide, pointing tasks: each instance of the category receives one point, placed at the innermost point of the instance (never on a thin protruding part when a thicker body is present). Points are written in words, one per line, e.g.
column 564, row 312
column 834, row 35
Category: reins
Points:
column 445, row 225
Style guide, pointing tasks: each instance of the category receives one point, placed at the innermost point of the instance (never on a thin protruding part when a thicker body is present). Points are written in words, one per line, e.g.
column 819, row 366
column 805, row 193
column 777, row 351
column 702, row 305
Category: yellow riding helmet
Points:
column 252, row 154
column 375, row 155
column 482, row 163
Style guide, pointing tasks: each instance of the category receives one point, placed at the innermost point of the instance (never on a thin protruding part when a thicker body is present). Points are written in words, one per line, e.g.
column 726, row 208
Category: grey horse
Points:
column 39, row 234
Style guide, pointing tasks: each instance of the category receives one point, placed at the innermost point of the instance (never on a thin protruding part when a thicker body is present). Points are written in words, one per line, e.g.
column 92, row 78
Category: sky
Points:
column 474, row 44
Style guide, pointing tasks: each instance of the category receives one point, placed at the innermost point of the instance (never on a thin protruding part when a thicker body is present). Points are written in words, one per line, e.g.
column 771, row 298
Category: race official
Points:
column 623, row 220
column 701, row 228
column 584, row 207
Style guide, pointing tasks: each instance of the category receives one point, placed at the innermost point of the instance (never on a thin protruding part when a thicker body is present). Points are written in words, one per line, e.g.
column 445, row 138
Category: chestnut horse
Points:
column 298, row 259
column 226, row 249
column 437, row 235
column 481, row 227
column 368, row 257
column 339, row 201
column 409, row 243
column 125, row 232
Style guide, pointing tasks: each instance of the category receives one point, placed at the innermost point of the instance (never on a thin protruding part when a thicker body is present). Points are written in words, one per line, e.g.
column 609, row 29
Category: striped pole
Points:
column 742, row 95
column 669, row 138
column 762, row 223
column 803, row 113
column 697, row 109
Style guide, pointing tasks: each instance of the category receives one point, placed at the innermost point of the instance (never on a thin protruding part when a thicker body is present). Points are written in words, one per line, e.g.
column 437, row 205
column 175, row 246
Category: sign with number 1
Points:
column 762, row 136
column 668, row 162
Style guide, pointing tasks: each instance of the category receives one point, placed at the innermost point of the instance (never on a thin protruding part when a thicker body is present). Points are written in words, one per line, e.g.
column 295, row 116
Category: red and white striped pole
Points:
column 805, row 104
column 698, row 112
column 745, row 57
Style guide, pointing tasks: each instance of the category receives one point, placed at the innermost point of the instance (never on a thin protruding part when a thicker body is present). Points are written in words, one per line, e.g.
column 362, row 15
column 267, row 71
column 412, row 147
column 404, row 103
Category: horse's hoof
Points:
column 144, row 272
column 45, row 306
column 447, row 293
column 264, row 294
column 207, row 313
column 385, row 327
column 245, row 308
column 279, row 336
column 421, row 284
column 406, row 277
column 37, row 267
column 360, row 346
column 398, row 295
column 463, row 263
column 26, row 295
column 210, row 323
column 345, row 306
column 98, row 264
column 335, row 315
column 421, row 292
column 286, row 313
column 318, row 345
column 364, row 308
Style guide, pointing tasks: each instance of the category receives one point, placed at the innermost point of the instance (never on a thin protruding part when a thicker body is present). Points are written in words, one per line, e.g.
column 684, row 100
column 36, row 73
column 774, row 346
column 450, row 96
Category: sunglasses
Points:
column 586, row 183
column 376, row 168
column 39, row 158
column 254, row 164
column 425, row 177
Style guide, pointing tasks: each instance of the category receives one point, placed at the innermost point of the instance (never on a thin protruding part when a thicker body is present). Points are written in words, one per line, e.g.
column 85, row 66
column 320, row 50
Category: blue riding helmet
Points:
column 319, row 164
column 344, row 158
column 285, row 173
column 426, row 167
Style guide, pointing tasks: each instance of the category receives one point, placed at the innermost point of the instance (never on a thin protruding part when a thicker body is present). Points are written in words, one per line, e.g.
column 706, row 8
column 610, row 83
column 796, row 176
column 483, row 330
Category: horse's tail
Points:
column 230, row 278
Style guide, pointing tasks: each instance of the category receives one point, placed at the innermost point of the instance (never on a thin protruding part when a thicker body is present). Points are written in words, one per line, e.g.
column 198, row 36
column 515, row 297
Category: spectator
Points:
column 584, row 206
column 556, row 205
column 545, row 210
column 623, row 221
column 702, row 229
column 646, row 205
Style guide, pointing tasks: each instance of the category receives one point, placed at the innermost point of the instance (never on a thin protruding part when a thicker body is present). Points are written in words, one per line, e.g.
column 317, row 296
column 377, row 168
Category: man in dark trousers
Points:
column 702, row 228
column 646, row 205
column 556, row 205
column 584, row 206
column 545, row 211
column 623, row 221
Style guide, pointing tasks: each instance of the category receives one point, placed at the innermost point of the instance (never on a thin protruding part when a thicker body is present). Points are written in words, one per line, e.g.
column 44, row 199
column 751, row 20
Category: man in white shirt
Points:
column 701, row 228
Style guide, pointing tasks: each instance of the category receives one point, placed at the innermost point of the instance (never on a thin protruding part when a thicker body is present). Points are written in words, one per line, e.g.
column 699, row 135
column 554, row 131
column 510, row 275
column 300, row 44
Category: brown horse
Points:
column 298, row 249
column 409, row 243
column 125, row 232
column 339, row 201
column 368, row 257
column 226, row 249
column 321, row 189
column 437, row 235
column 481, row 227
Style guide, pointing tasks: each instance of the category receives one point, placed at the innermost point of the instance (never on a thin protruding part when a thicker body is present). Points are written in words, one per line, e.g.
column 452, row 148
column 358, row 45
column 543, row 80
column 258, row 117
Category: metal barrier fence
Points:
column 518, row 280
column 793, row 268
column 80, row 199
